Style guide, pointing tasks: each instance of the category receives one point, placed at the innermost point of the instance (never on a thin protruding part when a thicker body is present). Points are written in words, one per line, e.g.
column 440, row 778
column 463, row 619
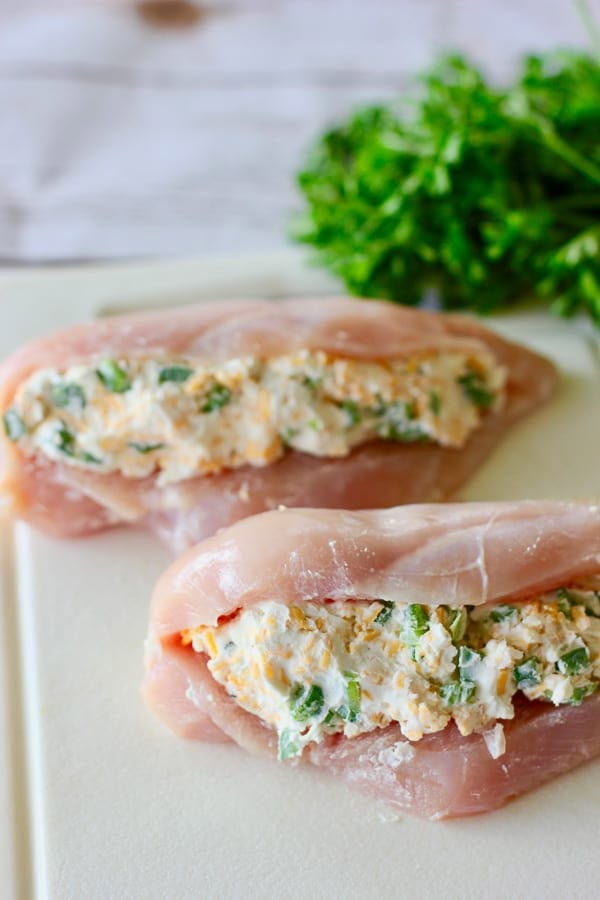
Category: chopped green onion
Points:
column 467, row 658
column 14, row 426
column 178, row 374
column 385, row 612
column 416, row 623
column 288, row 744
column 411, row 410
column 65, row 441
column 113, row 377
column 313, row 424
column 454, row 692
column 352, row 410
column 288, row 435
column 435, row 403
column 526, row 673
column 218, row 397
column 306, row 703
column 565, row 600
column 405, row 434
column 312, row 382
column 354, row 694
column 457, row 624
column 66, row 394
column 331, row 715
column 475, row 389
column 84, row 456
column 501, row 613
column 580, row 693
column 145, row 448
column 573, row 662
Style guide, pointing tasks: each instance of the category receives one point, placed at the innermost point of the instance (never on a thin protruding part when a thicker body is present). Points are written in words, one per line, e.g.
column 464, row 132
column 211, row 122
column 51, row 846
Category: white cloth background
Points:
column 119, row 140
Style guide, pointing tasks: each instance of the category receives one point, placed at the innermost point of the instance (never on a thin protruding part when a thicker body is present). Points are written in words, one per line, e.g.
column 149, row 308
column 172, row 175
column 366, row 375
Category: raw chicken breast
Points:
column 482, row 555
column 70, row 500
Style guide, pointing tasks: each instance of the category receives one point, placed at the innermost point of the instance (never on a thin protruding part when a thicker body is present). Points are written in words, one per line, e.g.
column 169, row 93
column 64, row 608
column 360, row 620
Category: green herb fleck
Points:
column 145, row 448
column 178, row 374
column 526, row 674
column 574, row 662
column 384, row 614
column 306, row 703
column 313, row 424
column 14, row 426
column 218, row 397
column 113, row 376
column 68, row 394
column 288, row 744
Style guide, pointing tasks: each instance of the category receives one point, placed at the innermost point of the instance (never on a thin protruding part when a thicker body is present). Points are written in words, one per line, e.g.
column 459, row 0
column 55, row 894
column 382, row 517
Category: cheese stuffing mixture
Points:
column 349, row 667
column 181, row 418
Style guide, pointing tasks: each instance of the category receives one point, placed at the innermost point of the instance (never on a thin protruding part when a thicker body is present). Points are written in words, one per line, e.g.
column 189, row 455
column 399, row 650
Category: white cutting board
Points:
column 102, row 802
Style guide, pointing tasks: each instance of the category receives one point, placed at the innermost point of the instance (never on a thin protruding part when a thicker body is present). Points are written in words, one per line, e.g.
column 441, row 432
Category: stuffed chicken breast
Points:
column 444, row 657
column 191, row 419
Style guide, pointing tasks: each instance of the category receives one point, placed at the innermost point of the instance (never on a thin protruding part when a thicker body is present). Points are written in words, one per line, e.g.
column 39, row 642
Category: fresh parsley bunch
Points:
column 487, row 194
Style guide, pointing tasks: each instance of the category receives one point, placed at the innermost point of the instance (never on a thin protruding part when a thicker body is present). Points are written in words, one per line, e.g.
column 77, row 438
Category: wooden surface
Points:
column 118, row 139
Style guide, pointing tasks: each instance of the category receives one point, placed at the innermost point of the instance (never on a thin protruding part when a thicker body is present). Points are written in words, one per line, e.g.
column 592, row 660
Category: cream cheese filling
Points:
column 350, row 667
column 180, row 418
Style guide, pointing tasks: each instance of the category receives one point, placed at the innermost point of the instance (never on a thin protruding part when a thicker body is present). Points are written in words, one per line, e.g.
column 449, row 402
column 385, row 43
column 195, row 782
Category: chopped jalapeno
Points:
column 352, row 411
column 145, row 448
column 354, row 695
column 288, row 744
column 573, row 662
column 218, row 397
column 178, row 374
column 476, row 390
column 526, row 673
column 416, row 623
column 457, row 624
column 306, row 703
column 455, row 692
column 385, row 612
column 580, row 693
column 435, row 403
column 67, row 394
column 14, row 426
column 501, row 613
column 113, row 377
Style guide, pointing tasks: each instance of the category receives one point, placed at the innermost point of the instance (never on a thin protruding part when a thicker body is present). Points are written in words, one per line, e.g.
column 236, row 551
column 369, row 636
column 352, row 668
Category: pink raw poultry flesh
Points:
column 477, row 554
column 68, row 501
